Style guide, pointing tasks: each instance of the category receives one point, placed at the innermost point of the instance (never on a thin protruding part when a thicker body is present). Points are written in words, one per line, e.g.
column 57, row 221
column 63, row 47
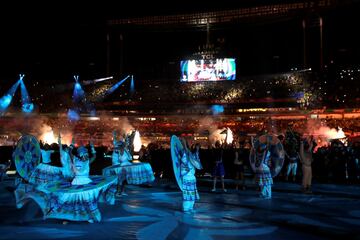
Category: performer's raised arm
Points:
column 197, row 150
column 60, row 146
column 93, row 151
column 59, row 142
column 71, row 147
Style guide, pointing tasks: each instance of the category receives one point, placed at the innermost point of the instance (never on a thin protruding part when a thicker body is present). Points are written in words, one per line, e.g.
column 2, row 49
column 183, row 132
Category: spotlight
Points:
column 5, row 101
column 78, row 93
column 27, row 107
column 217, row 109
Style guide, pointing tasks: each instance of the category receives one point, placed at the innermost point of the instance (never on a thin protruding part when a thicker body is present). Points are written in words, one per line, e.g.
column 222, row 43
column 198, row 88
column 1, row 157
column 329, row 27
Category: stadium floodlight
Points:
column 87, row 82
column 103, row 79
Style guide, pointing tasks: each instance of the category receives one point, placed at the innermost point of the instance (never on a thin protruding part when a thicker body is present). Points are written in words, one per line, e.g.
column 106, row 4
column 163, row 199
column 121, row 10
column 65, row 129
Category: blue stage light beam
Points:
column 25, row 98
column 132, row 85
column 5, row 100
column 27, row 105
column 113, row 88
column 81, row 103
column 78, row 93
column 14, row 87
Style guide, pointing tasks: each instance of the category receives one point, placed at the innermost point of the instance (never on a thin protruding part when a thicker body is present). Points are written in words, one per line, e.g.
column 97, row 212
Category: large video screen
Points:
column 208, row 70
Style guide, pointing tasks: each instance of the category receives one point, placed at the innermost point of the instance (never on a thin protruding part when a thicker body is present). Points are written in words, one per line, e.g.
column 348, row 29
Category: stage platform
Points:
column 331, row 212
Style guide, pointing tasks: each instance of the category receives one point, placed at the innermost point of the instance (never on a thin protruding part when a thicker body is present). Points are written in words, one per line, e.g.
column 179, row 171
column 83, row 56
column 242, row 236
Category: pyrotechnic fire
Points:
column 137, row 141
column 48, row 135
column 335, row 134
column 229, row 136
column 222, row 135
column 325, row 135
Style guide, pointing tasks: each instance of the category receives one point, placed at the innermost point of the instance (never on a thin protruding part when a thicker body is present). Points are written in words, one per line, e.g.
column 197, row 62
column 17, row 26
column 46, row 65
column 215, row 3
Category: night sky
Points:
column 50, row 42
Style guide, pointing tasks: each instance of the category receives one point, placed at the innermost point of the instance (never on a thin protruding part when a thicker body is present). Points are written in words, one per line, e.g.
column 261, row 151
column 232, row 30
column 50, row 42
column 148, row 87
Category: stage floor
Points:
column 331, row 212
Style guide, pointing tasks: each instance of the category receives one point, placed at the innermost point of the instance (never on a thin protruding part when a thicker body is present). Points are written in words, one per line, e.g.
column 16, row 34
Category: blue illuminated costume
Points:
column 184, row 164
column 121, row 157
column 263, row 174
column 266, row 159
column 45, row 172
column 189, row 189
column 58, row 198
column 125, row 170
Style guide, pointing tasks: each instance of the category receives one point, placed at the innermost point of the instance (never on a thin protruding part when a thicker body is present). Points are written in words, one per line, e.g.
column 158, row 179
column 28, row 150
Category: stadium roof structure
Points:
column 233, row 13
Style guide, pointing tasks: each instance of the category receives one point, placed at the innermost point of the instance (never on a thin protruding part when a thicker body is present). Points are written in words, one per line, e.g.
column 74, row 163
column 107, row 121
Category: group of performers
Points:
column 76, row 165
column 69, row 192
column 266, row 158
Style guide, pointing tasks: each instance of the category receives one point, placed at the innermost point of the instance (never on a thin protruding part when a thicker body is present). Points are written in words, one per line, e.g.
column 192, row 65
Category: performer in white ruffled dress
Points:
column 122, row 158
column 126, row 171
column 45, row 172
column 263, row 174
column 81, row 165
column 120, row 154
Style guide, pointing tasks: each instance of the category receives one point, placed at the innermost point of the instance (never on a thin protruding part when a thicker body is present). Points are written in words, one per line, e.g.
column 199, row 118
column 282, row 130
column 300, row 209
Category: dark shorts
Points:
column 219, row 170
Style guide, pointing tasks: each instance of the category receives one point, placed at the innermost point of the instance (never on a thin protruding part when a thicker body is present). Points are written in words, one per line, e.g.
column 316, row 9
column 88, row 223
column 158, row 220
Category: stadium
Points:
column 204, row 72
